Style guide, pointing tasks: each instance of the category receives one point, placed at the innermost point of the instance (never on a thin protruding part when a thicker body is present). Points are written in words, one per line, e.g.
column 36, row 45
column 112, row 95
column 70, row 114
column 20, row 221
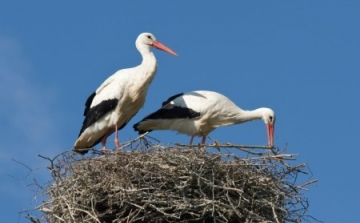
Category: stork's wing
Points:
column 95, row 113
column 102, row 101
column 169, row 111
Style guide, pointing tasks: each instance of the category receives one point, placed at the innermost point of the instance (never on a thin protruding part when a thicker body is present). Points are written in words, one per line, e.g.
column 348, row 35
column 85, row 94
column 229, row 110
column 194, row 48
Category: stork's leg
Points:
column 103, row 143
column 191, row 140
column 117, row 141
column 203, row 140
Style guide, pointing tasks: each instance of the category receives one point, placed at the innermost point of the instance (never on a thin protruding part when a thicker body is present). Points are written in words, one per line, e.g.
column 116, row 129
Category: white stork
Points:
column 197, row 113
column 119, row 97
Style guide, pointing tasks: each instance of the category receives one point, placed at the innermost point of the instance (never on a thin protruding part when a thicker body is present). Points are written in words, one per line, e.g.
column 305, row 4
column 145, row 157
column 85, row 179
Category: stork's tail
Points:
column 81, row 151
column 137, row 127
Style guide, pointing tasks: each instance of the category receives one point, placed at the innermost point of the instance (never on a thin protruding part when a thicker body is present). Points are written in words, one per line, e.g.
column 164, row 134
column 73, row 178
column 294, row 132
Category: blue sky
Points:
column 300, row 58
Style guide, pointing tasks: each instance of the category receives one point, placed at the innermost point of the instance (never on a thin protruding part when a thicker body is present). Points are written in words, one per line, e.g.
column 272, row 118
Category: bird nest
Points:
column 150, row 182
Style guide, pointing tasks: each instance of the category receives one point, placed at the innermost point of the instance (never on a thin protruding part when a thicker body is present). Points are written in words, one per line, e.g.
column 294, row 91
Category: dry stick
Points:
column 151, row 137
column 165, row 214
column 213, row 193
column 224, row 146
column 306, row 184
column 26, row 166
column 232, row 205
column 59, row 218
column 53, row 159
column 32, row 219
column 275, row 157
column 274, row 211
column 227, row 145
column 134, row 140
column 87, row 212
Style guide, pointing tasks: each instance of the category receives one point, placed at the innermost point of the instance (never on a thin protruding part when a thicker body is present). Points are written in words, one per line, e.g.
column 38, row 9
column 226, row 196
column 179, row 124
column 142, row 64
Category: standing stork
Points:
column 197, row 113
column 119, row 97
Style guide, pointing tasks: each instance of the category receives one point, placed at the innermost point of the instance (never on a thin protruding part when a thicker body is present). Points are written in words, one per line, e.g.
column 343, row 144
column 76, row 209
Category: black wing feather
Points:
column 95, row 113
column 88, row 102
column 169, row 111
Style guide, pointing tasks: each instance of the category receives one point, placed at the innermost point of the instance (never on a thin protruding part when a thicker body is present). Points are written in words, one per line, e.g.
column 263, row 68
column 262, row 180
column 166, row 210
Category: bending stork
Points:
column 197, row 113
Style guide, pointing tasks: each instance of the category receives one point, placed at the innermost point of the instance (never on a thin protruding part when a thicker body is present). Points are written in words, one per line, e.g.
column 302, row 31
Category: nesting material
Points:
column 147, row 182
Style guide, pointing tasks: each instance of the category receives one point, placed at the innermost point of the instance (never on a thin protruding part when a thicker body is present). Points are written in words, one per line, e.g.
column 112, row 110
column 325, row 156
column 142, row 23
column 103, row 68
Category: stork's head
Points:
column 149, row 40
column 269, row 118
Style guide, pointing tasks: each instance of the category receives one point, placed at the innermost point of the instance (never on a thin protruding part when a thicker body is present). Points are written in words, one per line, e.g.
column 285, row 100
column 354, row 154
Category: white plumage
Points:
column 119, row 98
column 197, row 113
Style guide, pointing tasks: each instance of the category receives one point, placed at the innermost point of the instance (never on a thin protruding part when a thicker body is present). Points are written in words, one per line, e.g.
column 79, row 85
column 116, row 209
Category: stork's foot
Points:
column 103, row 150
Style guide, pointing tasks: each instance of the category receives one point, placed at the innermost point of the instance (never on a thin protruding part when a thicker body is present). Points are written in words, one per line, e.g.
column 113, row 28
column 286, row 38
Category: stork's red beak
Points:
column 156, row 44
column 270, row 134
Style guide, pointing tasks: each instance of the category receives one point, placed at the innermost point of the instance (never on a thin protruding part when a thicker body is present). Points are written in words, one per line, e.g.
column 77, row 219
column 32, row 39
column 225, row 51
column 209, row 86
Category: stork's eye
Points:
column 271, row 118
column 148, row 36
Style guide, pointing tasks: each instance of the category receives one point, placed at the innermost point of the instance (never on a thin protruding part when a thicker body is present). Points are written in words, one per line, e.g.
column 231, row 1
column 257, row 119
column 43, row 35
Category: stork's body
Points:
column 119, row 98
column 197, row 113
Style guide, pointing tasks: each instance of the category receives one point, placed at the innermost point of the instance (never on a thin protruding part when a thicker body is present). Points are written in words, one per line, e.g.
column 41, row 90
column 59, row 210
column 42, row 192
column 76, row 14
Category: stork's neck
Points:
column 249, row 115
column 148, row 63
column 145, row 72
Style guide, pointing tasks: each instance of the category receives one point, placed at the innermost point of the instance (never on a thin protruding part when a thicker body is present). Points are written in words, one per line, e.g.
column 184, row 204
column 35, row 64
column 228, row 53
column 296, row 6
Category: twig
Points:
column 226, row 146
column 306, row 184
